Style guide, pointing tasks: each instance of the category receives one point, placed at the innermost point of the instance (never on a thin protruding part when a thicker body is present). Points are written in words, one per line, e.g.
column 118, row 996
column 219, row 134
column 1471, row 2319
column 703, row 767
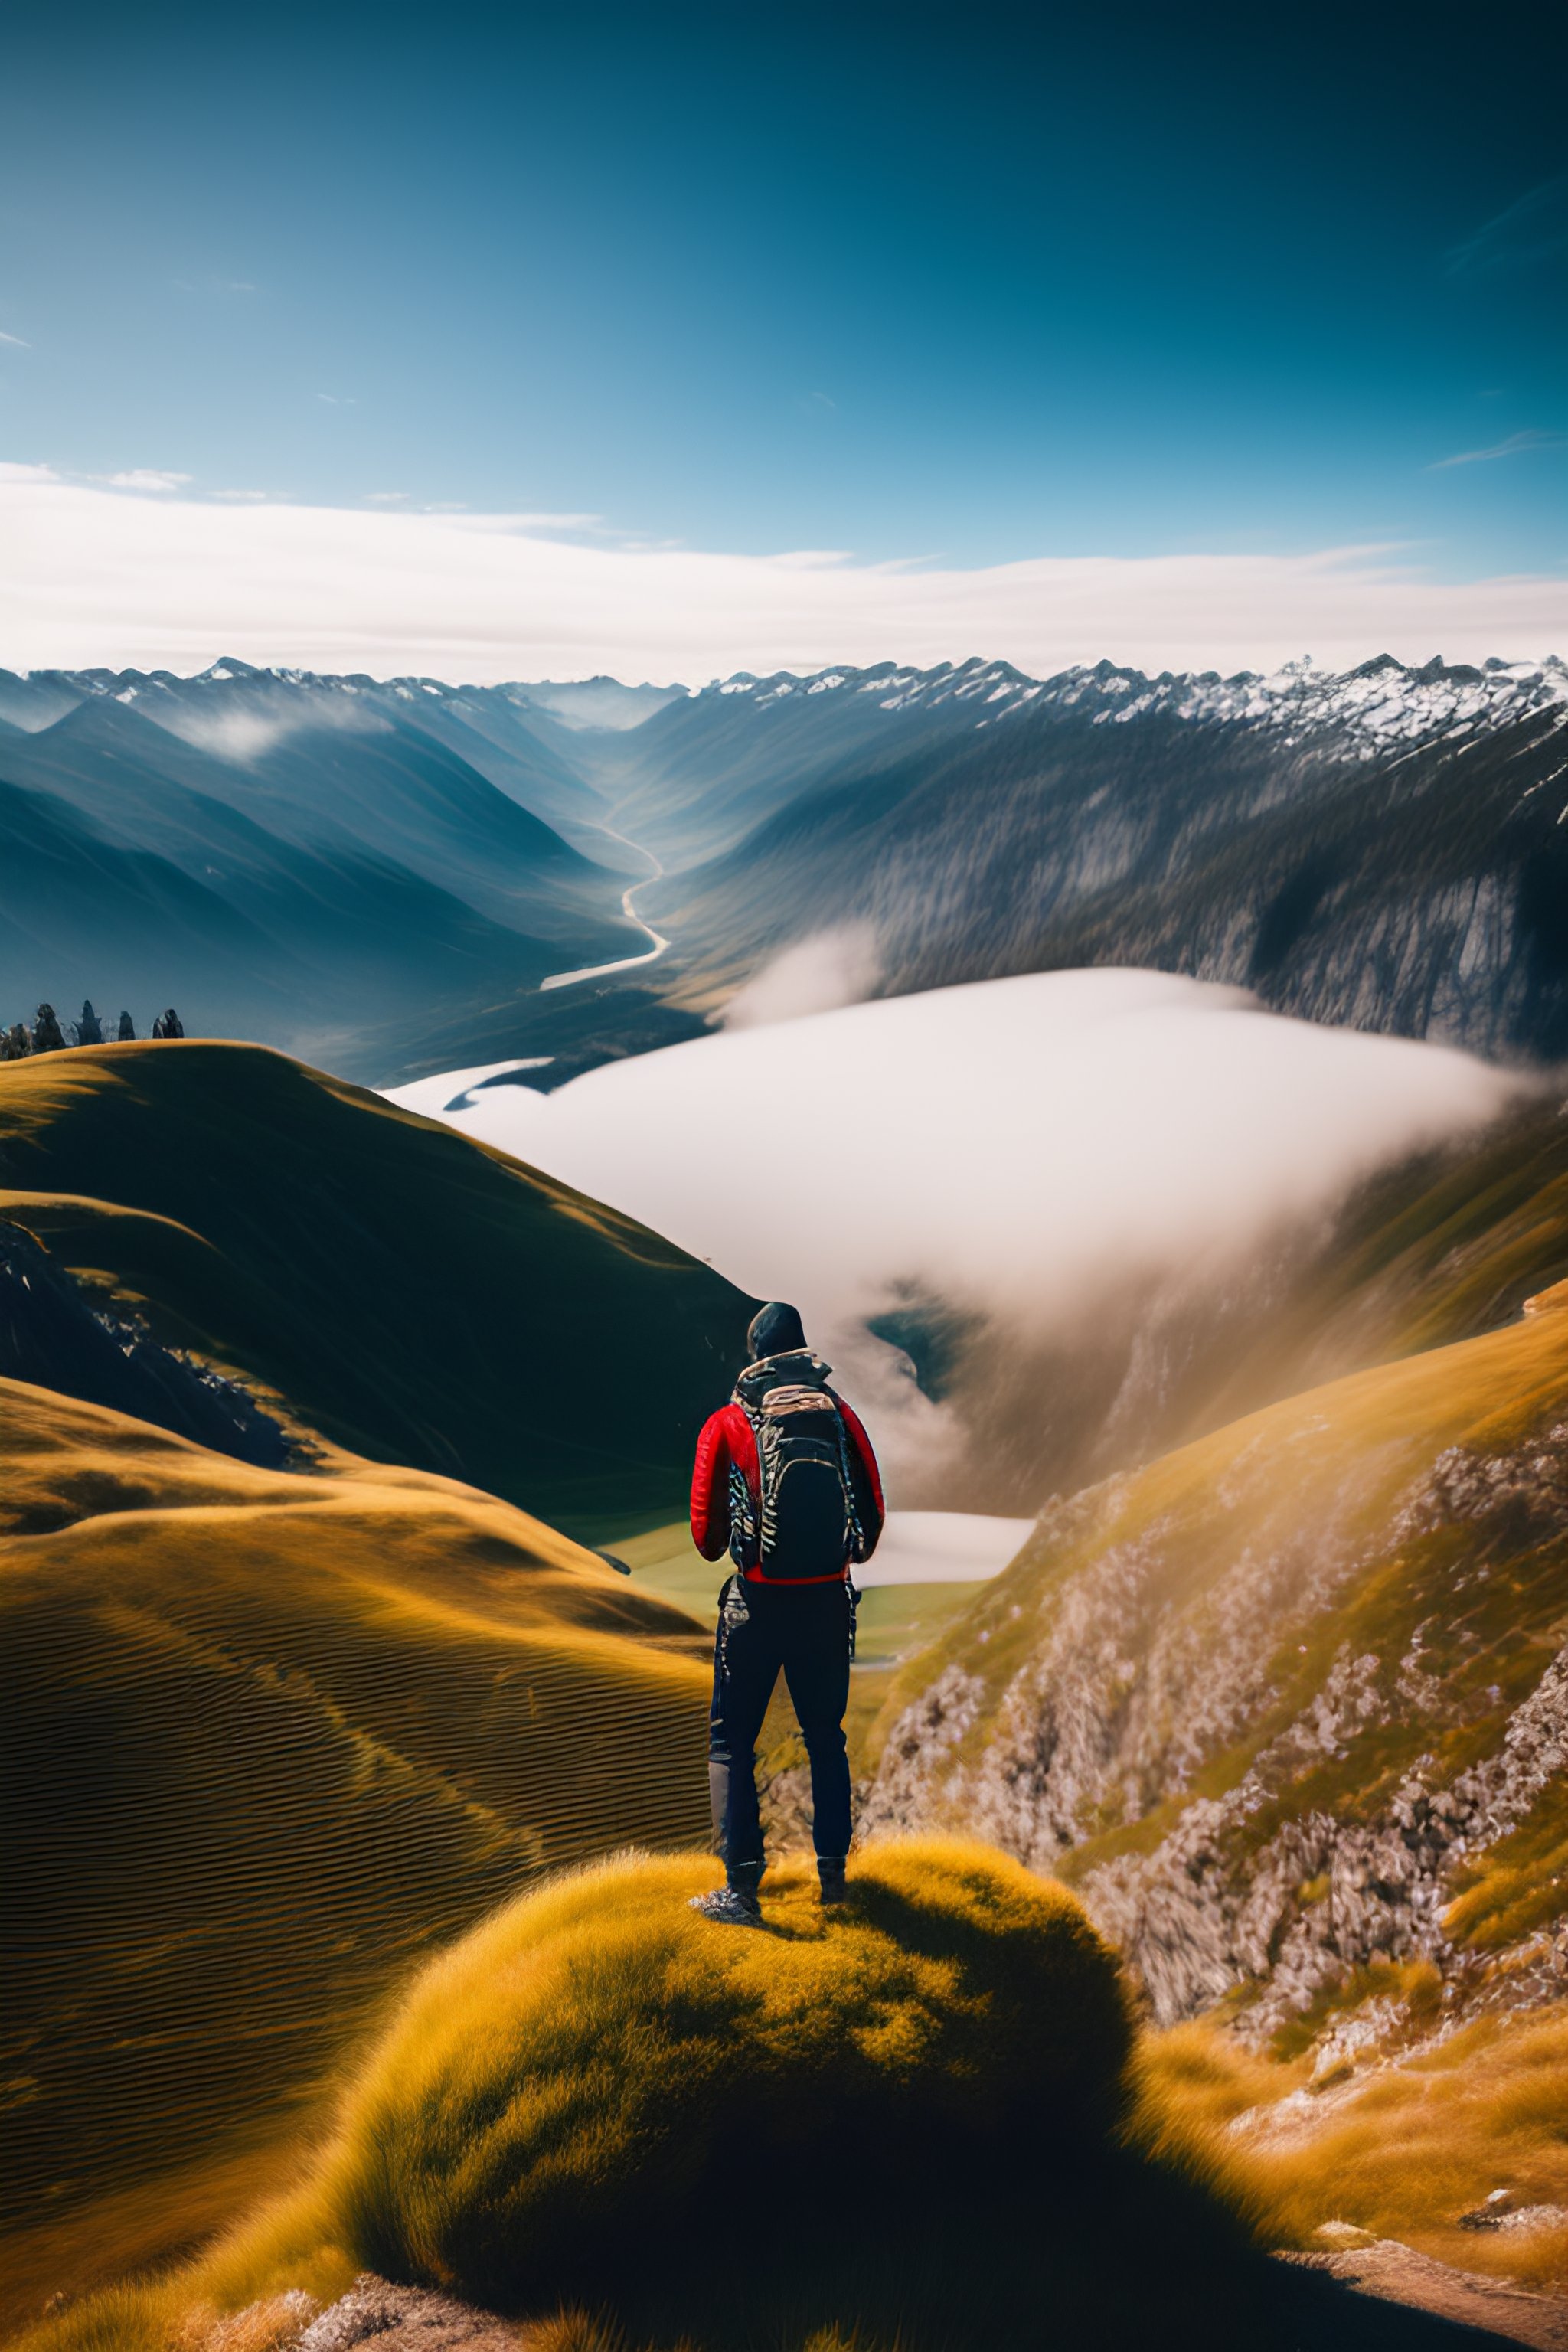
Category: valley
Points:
column 978, row 1245
column 1215, row 1357
column 784, row 1180
column 396, row 878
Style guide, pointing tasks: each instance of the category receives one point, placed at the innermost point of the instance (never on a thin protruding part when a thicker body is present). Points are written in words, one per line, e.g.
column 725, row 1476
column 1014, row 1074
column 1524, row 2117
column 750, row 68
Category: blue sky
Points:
column 966, row 287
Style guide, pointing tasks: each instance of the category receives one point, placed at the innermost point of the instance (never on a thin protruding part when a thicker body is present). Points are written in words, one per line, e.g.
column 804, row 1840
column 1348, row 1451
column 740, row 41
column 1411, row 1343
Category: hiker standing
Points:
column 786, row 1481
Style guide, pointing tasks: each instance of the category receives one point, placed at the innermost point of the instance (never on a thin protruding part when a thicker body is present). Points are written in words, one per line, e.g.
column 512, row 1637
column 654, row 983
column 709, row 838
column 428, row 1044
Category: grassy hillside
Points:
column 406, row 1292
column 266, row 1740
column 562, row 2105
column 1291, row 1704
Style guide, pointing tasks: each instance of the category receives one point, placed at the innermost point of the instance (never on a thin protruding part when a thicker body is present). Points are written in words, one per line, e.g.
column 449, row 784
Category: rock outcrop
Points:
column 1279, row 1703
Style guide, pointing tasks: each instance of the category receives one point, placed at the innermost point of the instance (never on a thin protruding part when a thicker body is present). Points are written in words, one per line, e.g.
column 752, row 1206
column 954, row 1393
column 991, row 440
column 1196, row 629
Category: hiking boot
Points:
column 730, row 1906
column 831, row 1883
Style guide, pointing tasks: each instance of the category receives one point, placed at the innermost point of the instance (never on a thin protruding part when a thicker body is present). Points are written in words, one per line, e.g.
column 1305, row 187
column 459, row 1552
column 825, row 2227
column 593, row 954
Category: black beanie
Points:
column 774, row 1331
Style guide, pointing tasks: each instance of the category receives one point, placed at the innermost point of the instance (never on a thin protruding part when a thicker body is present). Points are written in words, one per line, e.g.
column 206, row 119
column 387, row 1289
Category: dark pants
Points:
column 764, row 1630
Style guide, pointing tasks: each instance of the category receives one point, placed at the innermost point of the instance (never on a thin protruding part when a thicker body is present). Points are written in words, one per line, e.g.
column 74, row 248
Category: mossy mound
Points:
column 600, row 2062
column 902, row 2120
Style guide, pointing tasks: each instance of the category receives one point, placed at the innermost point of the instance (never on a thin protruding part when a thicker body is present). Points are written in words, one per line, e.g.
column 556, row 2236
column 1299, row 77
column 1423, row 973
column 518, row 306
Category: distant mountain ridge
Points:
column 1383, row 847
column 323, row 865
column 379, row 874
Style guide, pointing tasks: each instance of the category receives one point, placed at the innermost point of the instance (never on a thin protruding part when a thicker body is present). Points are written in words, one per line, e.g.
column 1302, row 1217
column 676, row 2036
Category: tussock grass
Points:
column 1402, row 2151
column 601, row 2064
column 907, row 2128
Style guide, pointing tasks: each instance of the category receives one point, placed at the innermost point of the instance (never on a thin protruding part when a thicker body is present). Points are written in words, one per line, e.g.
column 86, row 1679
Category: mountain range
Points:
column 381, row 875
column 323, row 865
column 1383, row 849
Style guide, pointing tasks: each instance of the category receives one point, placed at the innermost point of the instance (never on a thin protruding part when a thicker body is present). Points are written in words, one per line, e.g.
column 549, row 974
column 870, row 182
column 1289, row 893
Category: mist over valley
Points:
column 784, row 1180
column 383, row 876
column 1010, row 1211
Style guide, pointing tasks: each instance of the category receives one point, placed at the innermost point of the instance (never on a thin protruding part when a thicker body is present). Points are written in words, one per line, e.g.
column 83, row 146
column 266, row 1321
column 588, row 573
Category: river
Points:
column 620, row 963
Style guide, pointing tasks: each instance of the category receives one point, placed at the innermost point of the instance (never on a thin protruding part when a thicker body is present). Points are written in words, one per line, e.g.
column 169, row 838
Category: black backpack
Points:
column 809, row 1524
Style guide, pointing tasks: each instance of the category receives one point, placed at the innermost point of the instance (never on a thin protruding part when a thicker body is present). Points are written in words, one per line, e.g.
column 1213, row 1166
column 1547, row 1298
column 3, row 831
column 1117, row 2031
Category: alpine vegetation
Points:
column 939, row 2074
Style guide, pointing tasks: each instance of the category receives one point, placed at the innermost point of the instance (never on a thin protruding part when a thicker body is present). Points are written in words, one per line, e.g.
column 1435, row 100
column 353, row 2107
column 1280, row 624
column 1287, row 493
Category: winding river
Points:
column 620, row 963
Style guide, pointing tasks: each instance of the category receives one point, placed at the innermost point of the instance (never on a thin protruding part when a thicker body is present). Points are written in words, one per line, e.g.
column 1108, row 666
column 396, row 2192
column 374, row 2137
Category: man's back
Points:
column 785, row 1479
column 787, row 1482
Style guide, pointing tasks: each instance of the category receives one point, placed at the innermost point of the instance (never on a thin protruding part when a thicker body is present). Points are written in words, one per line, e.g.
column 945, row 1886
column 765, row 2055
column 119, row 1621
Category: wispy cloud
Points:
column 336, row 400
column 252, row 497
column 1529, row 231
column 530, row 521
column 94, row 576
column 147, row 477
column 1516, row 446
column 15, row 342
column 386, row 497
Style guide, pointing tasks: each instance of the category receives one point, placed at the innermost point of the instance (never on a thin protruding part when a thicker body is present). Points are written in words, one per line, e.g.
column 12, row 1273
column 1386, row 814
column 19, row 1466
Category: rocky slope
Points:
column 52, row 1336
column 1383, row 849
column 1289, row 1705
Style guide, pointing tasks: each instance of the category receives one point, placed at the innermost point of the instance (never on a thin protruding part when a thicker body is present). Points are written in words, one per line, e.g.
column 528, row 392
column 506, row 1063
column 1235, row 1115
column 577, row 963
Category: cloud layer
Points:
column 95, row 576
column 1020, row 1149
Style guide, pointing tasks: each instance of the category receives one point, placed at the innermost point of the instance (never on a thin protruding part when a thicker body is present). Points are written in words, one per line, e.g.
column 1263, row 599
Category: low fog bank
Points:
column 818, row 974
column 1007, row 1177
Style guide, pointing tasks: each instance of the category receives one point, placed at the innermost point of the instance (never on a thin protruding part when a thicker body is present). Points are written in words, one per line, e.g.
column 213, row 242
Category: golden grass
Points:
column 599, row 2060
column 600, row 2112
column 902, row 2125
column 268, row 1741
column 1401, row 2151
column 1408, row 2150
column 407, row 1292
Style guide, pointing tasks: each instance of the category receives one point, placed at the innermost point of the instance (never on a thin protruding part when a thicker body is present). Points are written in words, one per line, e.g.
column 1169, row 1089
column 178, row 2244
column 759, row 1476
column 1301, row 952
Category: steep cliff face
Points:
column 1291, row 1704
column 1384, row 850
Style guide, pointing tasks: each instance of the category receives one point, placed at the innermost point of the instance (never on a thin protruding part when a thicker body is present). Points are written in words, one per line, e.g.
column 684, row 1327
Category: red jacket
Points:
column 727, row 1443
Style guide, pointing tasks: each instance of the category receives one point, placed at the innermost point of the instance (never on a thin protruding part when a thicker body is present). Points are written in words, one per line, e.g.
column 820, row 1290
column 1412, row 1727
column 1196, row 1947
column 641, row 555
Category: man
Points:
column 787, row 1482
